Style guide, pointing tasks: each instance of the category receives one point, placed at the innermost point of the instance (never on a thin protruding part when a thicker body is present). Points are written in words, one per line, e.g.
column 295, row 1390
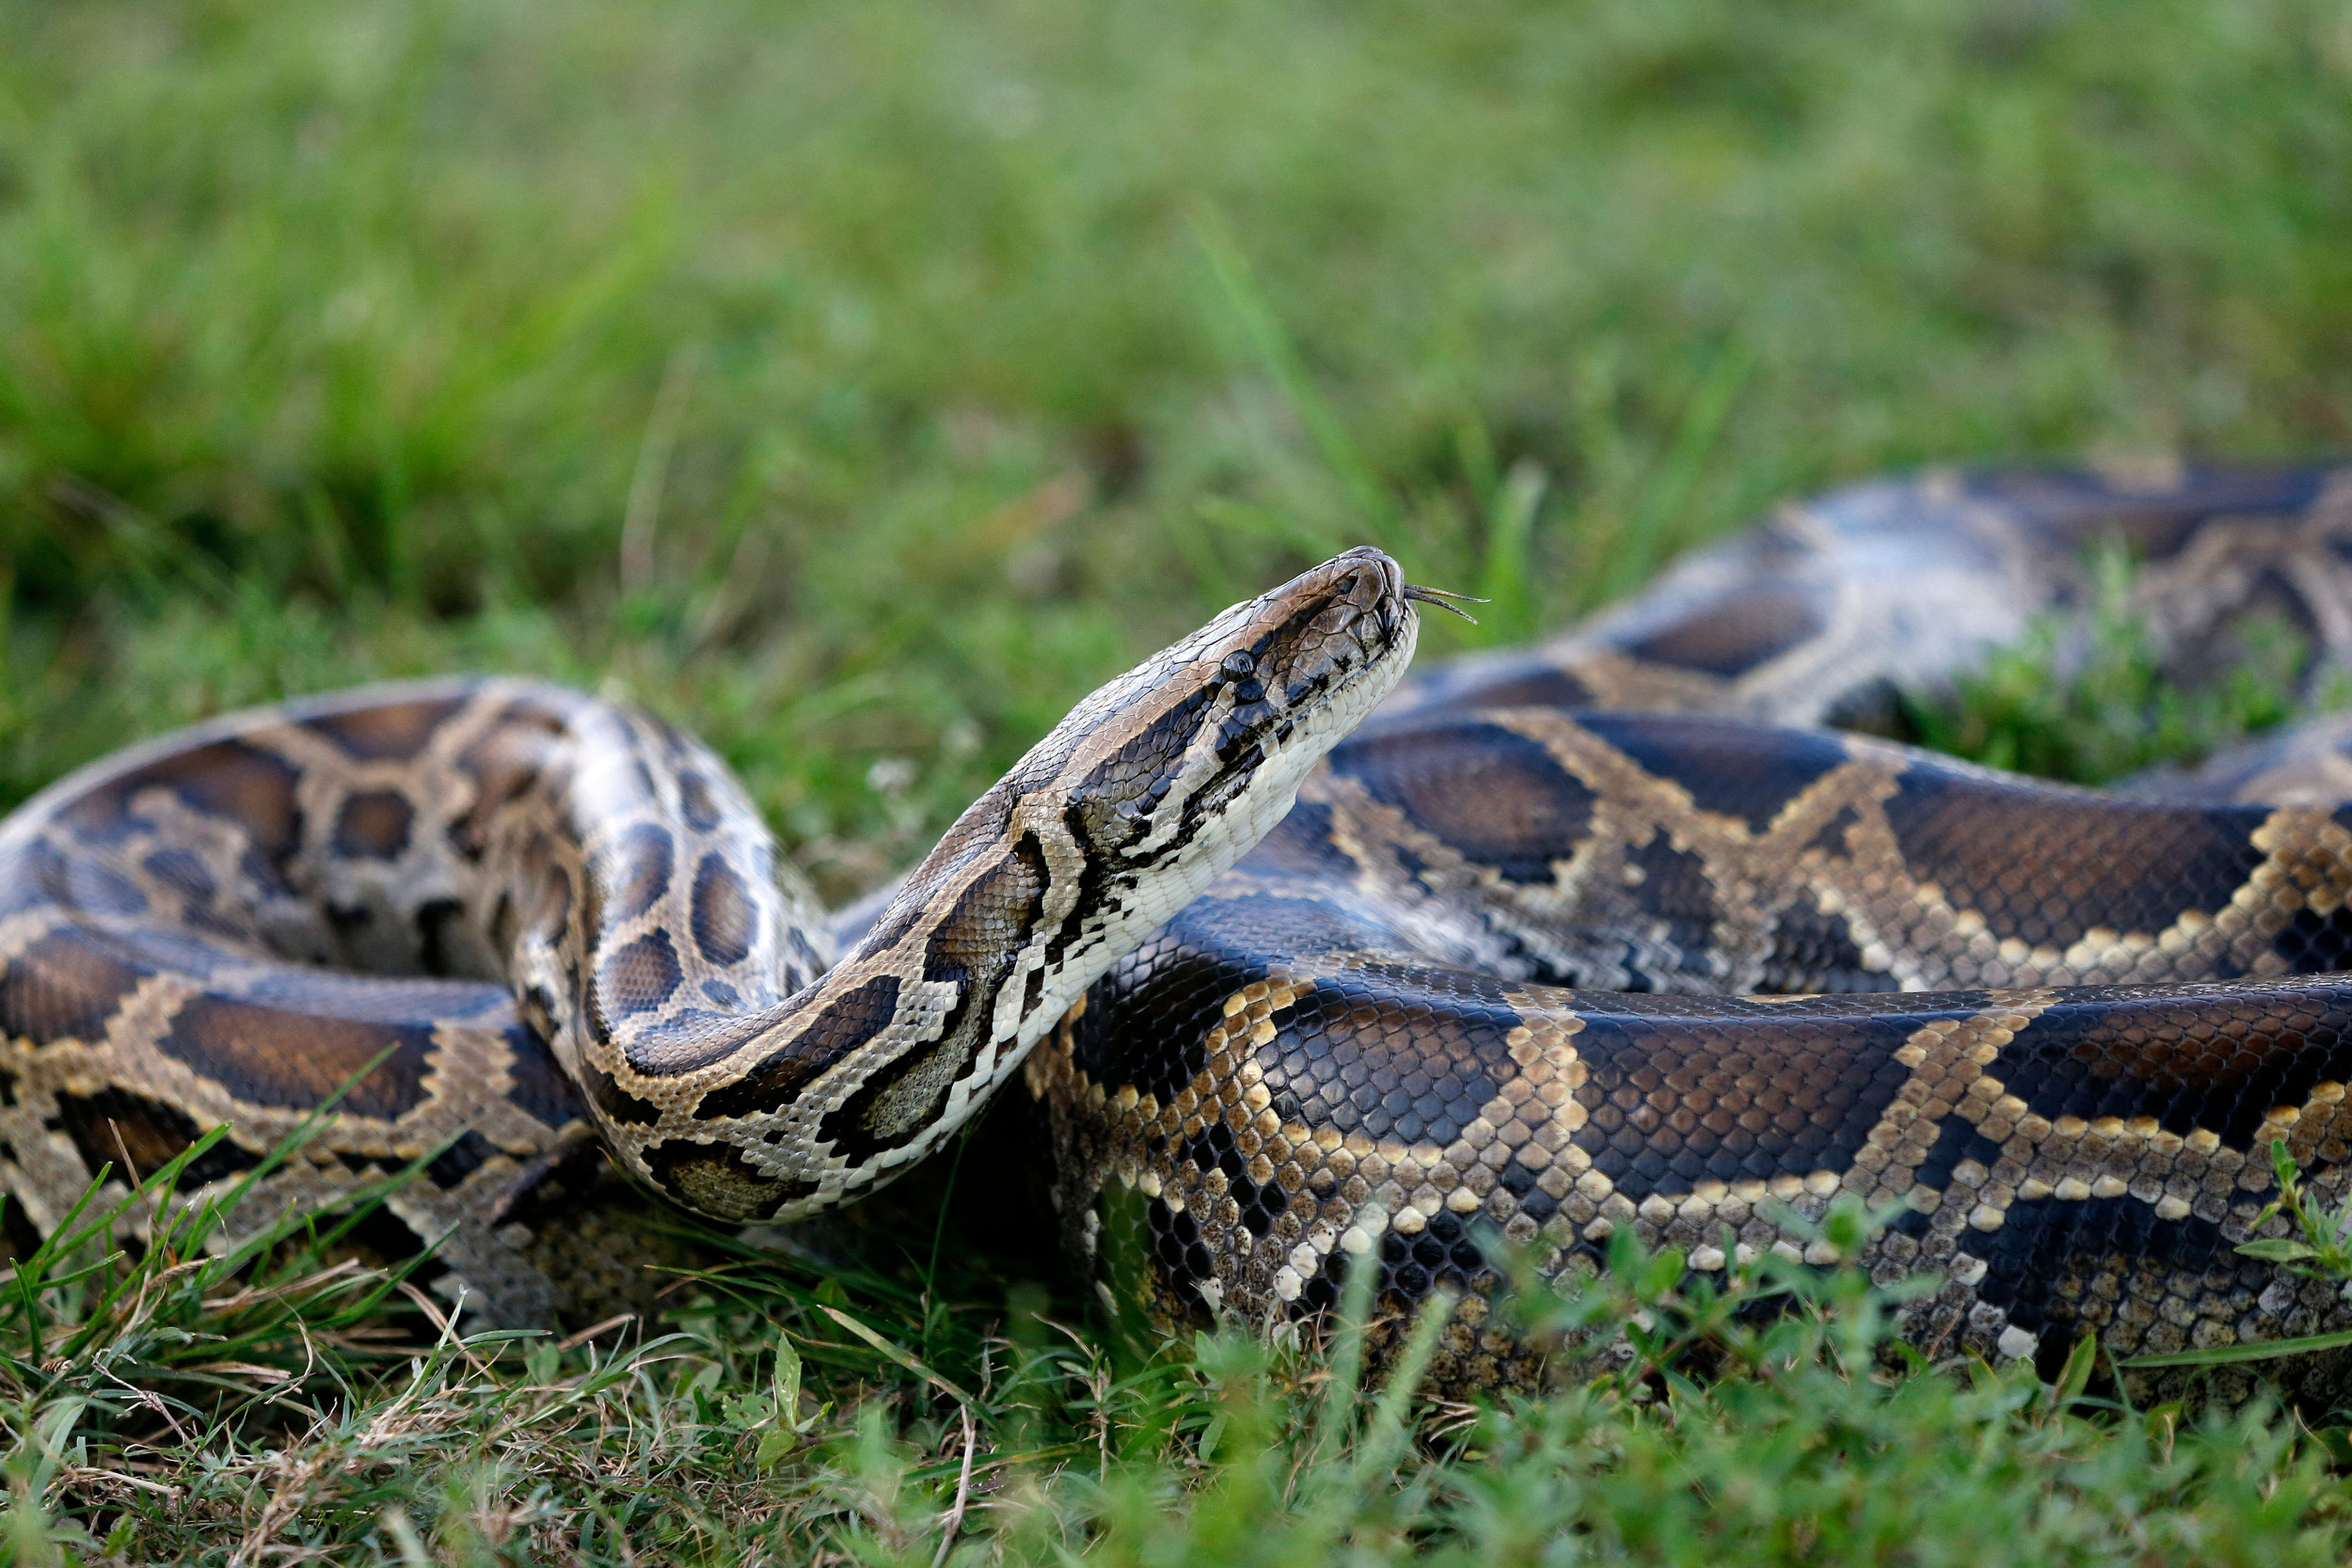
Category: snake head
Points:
column 1199, row 751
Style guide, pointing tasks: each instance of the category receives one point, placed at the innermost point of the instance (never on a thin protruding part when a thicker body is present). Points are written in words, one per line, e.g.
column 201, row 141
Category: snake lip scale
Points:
column 1596, row 935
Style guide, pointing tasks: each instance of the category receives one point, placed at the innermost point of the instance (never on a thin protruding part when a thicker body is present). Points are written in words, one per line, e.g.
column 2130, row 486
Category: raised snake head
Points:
column 1150, row 789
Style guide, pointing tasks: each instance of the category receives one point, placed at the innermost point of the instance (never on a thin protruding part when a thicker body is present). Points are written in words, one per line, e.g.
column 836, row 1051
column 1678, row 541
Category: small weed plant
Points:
column 2088, row 699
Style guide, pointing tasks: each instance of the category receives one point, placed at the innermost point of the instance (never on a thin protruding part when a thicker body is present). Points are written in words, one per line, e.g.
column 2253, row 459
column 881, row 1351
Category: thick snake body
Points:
column 1559, row 943
column 499, row 919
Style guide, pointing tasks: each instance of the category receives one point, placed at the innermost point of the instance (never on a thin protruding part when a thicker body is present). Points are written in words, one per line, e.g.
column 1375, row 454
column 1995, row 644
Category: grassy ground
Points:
column 860, row 382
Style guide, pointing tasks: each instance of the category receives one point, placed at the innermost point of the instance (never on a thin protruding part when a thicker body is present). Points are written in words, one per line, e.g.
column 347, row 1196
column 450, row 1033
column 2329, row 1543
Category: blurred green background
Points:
column 859, row 381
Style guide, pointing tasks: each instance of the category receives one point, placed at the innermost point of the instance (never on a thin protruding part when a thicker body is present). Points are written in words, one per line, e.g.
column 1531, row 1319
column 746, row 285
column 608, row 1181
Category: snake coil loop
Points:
column 1556, row 944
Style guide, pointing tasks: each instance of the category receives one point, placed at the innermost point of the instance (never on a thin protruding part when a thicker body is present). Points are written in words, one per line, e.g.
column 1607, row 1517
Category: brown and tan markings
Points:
column 1488, row 974
column 508, row 921
column 1562, row 942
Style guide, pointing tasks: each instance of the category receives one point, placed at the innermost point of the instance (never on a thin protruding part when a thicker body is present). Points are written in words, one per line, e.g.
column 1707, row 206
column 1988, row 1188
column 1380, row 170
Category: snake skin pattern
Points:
column 1575, row 938
column 1523, row 965
column 503, row 919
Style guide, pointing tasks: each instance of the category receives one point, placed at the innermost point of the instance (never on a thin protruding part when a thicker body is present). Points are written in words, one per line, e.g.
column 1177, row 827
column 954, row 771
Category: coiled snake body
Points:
column 1557, row 942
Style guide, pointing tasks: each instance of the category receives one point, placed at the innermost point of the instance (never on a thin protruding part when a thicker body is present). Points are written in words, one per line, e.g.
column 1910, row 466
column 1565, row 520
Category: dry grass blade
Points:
column 595, row 1331
column 445, row 1324
column 285, row 1290
column 963, row 1490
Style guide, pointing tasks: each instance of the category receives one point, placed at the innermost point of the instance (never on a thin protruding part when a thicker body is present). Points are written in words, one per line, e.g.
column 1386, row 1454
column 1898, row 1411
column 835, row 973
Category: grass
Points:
column 861, row 383
column 858, row 383
column 770, row 1424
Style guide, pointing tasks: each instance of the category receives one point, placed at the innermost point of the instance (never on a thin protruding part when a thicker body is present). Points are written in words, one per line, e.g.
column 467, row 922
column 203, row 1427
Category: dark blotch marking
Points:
column 1831, row 838
column 626, row 1109
column 2044, row 1241
column 716, row 1179
column 636, row 977
column 1166, row 981
column 113, row 1124
column 1364, row 1054
column 373, row 825
column 1815, row 952
column 504, row 765
column 636, row 871
column 66, row 986
column 227, row 779
column 2108, row 1051
column 95, row 886
column 538, row 1086
column 1682, row 1089
column 1301, row 846
column 1494, row 795
column 19, row 1237
column 1147, row 1022
column 1743, row 770
column 2313, row 944
column 1213, row 1149
column 31, row 877
column 701, row 808
column 439, row 921
column 295, row 1059
column 1520, row 1182
column 893, row 924
column 1512, row 684
column 1095, row 873
column 973, row 950
column 181, row 872
column 852, row 1019
column 1956, row 1140
column 2086, row 508
column 994, row 916
column 725, row 918
column 1676, row 894
column 460, row 1160
column 2045, row 865
column 1736, row 634
column 690, row 1034
column 1444, row 1255
column 385, row 732
column 1180, row 1259
column 1140, row 772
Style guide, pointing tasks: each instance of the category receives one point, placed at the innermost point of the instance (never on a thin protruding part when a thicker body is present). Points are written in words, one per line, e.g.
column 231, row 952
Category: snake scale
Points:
column 1614, row 932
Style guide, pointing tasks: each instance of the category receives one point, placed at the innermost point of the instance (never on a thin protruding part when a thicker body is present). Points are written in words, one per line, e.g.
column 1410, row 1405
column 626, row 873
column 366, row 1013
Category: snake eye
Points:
column 1239, row 665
